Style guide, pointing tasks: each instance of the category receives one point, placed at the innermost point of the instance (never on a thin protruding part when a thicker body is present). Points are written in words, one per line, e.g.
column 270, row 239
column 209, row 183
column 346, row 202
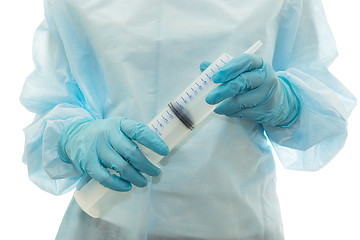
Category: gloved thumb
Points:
column 204, row 65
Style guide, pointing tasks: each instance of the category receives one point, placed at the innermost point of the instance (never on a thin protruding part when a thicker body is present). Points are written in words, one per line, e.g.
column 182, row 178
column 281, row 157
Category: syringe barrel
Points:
column 96, row 200
column 190, row 103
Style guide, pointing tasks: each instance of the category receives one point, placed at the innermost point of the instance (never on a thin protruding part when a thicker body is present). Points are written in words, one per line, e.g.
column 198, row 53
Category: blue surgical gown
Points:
column 97, row 59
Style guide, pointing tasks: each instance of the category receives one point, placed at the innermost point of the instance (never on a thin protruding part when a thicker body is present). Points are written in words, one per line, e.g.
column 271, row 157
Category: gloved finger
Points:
column 111, row 159
column 102, row 175
column 144, row 135
column 204, row 65
column 244, row 82
column 263, row 110
column 239, row 102
column 131, row 153
column 237, row 66
column 256, row 113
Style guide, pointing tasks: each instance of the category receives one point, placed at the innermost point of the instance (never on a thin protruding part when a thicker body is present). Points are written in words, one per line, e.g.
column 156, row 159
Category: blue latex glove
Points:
column 95, row 145
column 251, row 89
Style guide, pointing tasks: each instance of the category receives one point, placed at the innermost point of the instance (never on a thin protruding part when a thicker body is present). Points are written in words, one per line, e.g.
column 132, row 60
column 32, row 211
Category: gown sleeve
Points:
column 304, row 50
column 52, row 93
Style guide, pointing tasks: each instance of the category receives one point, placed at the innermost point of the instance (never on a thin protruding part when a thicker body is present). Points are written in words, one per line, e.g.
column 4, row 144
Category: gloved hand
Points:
column 250, row 89
column 95, row 145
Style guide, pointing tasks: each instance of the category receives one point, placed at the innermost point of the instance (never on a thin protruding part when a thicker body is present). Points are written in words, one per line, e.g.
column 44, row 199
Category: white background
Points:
column 315, row 206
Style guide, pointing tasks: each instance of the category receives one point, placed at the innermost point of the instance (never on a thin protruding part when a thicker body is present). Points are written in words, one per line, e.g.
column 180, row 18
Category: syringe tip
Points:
column 254, row 47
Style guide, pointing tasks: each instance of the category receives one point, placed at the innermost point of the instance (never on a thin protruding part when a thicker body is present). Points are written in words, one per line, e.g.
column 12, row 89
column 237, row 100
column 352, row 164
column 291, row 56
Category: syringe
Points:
column 172, row 124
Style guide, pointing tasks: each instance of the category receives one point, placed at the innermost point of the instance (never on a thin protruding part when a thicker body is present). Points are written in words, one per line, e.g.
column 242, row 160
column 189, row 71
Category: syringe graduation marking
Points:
column 204, row 82
column 208, row 76
column 190, row 97
column 180, row 106
column 200, row 86
column 160, row 124
column 195, row 92
column 170, row 115
column 184, row 100
column 156, row 130
column 165, row 120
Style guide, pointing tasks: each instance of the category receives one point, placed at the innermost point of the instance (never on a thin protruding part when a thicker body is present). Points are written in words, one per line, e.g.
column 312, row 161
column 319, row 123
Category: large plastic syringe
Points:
column 172, row 124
